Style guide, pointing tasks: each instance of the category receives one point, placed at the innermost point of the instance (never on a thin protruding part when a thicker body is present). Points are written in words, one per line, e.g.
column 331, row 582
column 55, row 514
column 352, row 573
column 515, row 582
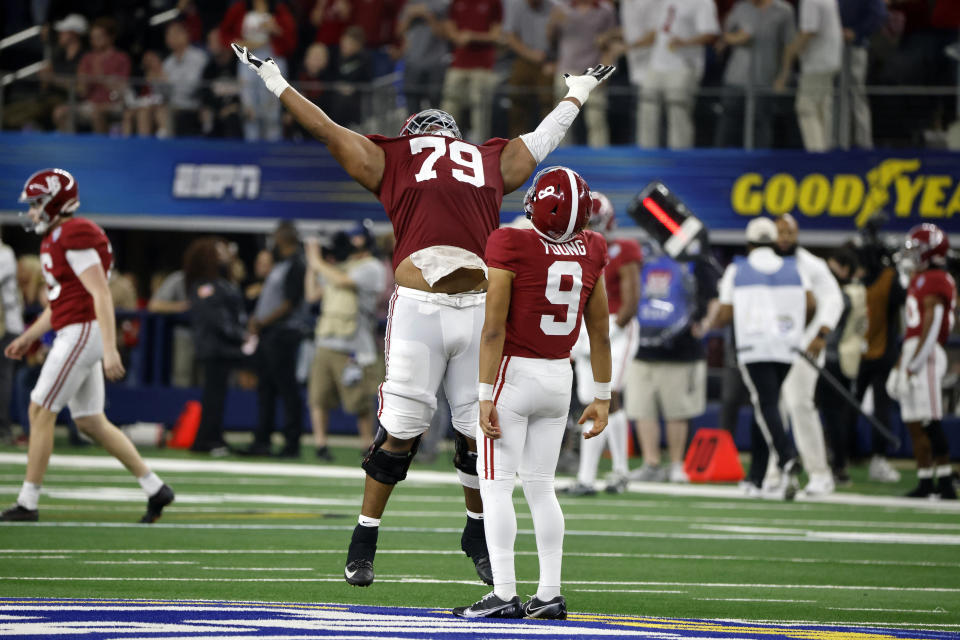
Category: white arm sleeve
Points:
column 916, row 363
column 82, row 259
column 825, row 290
column 549, row 134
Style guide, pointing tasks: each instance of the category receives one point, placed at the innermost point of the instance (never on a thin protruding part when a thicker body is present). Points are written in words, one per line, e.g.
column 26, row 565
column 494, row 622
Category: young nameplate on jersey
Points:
column 75, row 257
column 443, row 195
column 918, row 377
column 544, row 282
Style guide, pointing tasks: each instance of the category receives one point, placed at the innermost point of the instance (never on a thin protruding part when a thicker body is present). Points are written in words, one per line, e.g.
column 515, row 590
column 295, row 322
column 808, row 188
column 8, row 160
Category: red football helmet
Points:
column 926, row 244
column 602, row 216
column 51, row 193
column 558, row 203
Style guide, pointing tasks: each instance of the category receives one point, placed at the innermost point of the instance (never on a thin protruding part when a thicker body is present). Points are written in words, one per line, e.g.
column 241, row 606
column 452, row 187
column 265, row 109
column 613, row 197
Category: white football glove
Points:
column 267, row 69
column 579, row 87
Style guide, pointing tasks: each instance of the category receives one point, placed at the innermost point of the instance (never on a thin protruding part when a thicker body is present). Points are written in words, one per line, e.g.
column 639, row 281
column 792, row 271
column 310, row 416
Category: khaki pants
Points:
column 471, row 88
column 594, row 113
column 814, row 107
column 531, row 96
column 678, row 90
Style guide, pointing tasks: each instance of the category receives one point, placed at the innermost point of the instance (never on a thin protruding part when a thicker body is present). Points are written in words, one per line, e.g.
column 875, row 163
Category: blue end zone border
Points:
column 102, row 619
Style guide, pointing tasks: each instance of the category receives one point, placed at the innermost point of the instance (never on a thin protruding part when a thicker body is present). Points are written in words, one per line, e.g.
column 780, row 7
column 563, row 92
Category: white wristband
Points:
column 601, row 390
column 277, row 84
column 485, row 391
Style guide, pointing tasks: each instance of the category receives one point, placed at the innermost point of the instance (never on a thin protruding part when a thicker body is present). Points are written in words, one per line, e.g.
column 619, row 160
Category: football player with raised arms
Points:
column 918, row 377
column 622, row 283
column 75, row 258
column 543, row 282
column 443, row 196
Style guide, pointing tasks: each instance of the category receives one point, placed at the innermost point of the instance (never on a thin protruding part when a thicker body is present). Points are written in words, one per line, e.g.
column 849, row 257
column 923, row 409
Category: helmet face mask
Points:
column 558, row 204
column 51, row 193
column 925, row 245
column 431, row 122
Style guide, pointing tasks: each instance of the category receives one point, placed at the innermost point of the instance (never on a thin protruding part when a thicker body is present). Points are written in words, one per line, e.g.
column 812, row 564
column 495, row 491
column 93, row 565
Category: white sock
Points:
column 150, row 483
column 590, row 452
column 617, row 441
column 364, row 521
column 925, row 472
column 548, row 525
column 474, row 515
column 29, row 495
column 500, row 527
column 943, row 471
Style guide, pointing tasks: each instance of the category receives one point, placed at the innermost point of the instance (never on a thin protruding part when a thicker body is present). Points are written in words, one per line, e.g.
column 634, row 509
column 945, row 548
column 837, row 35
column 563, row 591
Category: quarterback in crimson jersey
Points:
column 622, row 280
column 443, row 196
column 75, row 258
column 917, row 380
column 543, row 281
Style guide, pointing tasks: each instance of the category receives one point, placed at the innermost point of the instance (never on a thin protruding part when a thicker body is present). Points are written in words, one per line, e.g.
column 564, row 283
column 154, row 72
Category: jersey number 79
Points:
column 461, row 153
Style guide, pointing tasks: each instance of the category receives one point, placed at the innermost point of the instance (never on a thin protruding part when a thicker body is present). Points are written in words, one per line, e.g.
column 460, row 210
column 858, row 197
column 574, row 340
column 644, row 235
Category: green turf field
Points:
column 244, row 530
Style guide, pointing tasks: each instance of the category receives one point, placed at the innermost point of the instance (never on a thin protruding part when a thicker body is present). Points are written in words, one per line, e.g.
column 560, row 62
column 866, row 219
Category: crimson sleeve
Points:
column 285, row 43
column 500, row 250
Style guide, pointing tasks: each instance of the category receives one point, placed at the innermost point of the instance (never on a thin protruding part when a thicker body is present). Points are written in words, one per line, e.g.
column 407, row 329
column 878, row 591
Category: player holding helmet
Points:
column 622, row 281
column 542, row 282
column 75, row 257
column 443, row 196
column 918, row 377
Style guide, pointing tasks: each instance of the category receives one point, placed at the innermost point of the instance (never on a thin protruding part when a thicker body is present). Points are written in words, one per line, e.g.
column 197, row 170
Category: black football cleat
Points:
column 945, row 488
column 790, row 479
column 156, row 503
column 17, row 513
column 553, row 609
column 492, row 607
column 924, row 489
column 359, row 572
column 473, row 542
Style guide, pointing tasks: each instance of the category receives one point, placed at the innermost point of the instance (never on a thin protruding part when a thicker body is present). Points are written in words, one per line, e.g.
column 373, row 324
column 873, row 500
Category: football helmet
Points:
column 558, row 203
column 926, row 244
column 602, row 216
column 51, row 193
column 432, row 121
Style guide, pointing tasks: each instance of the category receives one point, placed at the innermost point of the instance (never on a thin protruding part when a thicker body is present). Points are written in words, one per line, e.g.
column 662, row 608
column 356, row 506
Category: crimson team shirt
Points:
column 551, row 285
column 621, row 251
column 932, row 282
column 440, row 191
column 475, row 15
column 70, row 302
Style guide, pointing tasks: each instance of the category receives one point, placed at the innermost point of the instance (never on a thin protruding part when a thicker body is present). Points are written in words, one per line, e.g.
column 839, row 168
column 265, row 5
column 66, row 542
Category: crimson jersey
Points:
column 70, row 302
column 440, row 191
column 621, row 251
column 551, row 285
column 932, row 282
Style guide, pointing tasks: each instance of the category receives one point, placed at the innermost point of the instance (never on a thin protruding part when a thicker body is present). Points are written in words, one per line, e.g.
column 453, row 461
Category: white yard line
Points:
column 755, row 600
column 937, row 610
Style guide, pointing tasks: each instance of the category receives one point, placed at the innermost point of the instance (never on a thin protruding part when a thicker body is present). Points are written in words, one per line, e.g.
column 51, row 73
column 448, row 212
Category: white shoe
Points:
column 649, row 473
column 749, row 489
column 677, row 474
column 882, row 471
column 819, row 485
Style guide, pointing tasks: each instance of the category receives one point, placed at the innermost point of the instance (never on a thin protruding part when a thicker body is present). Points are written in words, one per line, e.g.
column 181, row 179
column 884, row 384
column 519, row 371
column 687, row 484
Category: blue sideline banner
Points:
column 149, row 182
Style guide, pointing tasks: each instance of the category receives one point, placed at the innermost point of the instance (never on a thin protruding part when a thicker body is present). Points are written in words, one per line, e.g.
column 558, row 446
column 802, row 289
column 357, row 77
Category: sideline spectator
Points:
column 473, row 26
column 637, row 19
column 278, row 320
column 668, row 376
column 184, row 72
column 220, row 91
column 860, row 19
column 267, row 29
column 102, row 78
column 262, row 266
column 344, row 371
column 767, row 298
column 217, row 315
column 576, row 28
column 424, row 52
column 11, row 325
column 171, row 298
column 756, row 32
column 33, row 289
column 531, row 86
column 682, row 31
column 819, row 45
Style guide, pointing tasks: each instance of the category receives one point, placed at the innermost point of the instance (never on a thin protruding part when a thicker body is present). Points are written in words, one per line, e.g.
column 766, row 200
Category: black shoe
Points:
column 323, row 453
column 791, row 478
column 156, row 503
column 255, row 449
column 473, row 542
column 946, row 489
column 492, row 607
column 16, row 513
column 841, row 478
column 554, row 609
column 363, row 548
column 290, row 453
column 924, row 489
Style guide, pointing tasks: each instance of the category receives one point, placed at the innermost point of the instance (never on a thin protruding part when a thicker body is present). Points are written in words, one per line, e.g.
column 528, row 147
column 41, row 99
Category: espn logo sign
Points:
column 213, row 181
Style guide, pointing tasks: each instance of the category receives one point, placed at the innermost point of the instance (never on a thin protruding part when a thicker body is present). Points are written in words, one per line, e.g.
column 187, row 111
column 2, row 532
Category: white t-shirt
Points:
column 682, row 19
column 10, row 304
column 638, row 18
column 824, row 52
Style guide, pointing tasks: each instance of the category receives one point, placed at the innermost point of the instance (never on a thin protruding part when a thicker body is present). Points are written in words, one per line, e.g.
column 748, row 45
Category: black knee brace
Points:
column 464, row 459
column 388, row 467
column 938, row 439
